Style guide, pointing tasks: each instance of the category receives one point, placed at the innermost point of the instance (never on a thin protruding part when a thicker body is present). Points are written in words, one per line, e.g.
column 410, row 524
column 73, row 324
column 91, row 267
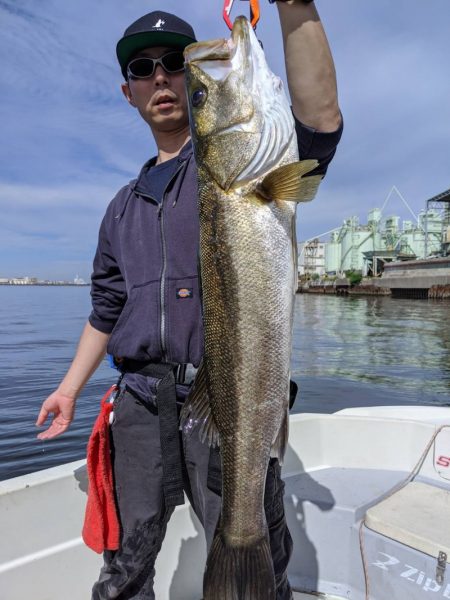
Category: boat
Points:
column 367, row 500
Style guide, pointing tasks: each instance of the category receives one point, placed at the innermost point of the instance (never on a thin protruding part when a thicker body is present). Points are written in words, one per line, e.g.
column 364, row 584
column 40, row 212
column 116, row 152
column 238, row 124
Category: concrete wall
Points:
column 420, row 274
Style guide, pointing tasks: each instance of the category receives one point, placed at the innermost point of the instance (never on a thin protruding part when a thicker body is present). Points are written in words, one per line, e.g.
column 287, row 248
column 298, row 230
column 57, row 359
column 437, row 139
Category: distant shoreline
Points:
column 45, row 284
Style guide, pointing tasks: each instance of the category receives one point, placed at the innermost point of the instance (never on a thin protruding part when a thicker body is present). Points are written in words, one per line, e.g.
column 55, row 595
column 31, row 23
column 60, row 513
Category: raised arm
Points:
column 309, row 66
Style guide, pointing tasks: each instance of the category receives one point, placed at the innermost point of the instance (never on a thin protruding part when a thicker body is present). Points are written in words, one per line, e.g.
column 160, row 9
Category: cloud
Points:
column 44, row 228
column 71, row 140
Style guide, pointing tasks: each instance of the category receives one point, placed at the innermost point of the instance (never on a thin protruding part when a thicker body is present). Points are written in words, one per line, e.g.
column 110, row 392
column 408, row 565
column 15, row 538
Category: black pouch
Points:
column 293, row 389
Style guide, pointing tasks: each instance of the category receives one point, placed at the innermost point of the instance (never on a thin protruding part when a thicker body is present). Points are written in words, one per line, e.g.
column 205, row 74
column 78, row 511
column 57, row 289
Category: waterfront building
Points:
column 23, row 281
column 311, row 258
column 441, row 203
column 446, row 242
column 366, row 248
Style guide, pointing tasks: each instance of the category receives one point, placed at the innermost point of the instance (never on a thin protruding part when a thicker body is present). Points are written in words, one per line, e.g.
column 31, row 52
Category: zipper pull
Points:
column 160, row 210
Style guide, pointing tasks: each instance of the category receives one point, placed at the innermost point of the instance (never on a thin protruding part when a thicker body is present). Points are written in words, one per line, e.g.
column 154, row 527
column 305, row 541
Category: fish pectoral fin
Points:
column 280, row 444
column 287, row 182
column 197, row 412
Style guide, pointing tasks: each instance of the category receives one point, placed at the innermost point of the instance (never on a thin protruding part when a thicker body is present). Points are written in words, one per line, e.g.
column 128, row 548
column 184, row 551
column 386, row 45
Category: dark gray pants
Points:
column 129, row 572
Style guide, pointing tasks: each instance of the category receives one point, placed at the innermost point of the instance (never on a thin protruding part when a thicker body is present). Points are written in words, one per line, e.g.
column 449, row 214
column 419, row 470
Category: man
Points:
column 146, row 301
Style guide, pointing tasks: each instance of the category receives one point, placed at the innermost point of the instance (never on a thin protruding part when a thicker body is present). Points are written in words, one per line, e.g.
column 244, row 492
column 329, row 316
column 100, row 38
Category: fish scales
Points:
column 247, row 343
column 246, row 151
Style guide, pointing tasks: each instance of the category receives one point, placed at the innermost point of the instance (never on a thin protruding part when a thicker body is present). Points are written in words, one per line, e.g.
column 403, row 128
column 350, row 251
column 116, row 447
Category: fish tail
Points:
column 239, row 573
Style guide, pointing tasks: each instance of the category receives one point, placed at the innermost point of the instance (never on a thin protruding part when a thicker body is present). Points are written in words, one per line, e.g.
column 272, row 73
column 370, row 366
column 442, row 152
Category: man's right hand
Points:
column 63, row 408
column 90, row 352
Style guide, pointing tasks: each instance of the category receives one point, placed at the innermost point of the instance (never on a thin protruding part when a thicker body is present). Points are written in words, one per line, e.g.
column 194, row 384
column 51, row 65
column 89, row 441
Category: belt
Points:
column 166, row 401
column 184, row 373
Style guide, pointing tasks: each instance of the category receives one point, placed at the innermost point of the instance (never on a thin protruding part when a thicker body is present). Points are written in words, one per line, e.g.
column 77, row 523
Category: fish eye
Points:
column 198, row 97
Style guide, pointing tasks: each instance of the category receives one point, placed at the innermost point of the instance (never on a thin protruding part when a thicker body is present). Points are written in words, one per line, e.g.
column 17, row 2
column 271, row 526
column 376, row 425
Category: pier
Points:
column 428, row 278
column 417, row 278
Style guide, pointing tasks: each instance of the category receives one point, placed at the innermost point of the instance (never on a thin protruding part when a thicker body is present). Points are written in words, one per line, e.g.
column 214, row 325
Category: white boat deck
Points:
column 336, row 467
column 301, row 596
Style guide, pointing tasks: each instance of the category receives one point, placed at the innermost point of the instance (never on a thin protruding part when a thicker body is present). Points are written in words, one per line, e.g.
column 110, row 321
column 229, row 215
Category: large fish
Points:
column 249, row 182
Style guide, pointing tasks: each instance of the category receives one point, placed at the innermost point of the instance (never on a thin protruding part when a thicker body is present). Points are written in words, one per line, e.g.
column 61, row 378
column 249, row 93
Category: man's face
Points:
column 160, row 99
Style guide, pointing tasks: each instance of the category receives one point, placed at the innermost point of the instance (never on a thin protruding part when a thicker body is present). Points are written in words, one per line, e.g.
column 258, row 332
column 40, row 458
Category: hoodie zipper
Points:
column 162, row 291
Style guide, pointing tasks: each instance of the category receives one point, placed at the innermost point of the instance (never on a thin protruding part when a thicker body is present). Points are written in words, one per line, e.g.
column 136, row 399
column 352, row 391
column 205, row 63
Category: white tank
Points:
column 333, row 254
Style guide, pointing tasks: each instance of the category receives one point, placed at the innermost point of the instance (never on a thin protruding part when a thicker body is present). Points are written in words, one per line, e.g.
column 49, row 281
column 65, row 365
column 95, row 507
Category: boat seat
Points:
column 416, row 516
column 348, row 492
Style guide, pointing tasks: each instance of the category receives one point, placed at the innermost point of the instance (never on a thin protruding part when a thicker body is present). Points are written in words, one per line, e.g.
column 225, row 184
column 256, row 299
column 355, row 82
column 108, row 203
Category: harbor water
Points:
column 347, row 351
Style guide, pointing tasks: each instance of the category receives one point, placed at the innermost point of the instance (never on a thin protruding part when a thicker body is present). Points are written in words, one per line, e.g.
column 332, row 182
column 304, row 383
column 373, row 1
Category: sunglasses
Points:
column 144, row 67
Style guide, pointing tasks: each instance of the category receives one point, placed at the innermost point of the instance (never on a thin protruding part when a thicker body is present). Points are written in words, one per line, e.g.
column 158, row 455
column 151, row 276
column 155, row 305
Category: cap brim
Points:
column 128, row 46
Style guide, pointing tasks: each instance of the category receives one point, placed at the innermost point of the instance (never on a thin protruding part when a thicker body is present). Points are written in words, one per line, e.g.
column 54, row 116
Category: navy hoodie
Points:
column 145, row 288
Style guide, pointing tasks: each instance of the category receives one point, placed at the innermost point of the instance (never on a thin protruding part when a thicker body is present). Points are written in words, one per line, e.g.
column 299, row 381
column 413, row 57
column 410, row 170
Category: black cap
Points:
column 157, row 28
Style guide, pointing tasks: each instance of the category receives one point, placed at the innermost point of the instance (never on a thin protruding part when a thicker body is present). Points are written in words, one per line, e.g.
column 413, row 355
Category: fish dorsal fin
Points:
column 287, row 182
column 196, row 412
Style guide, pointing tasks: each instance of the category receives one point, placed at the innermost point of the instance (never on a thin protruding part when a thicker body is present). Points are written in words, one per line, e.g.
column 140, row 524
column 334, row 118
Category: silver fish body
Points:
column 246, row 151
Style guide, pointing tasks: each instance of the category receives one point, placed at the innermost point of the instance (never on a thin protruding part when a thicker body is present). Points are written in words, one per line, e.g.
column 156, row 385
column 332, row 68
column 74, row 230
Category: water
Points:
column 369, row 351
column 347, row 352
column 39, row 330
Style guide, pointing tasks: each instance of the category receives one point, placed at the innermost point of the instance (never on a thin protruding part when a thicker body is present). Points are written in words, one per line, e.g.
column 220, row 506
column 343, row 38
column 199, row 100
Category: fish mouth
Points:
column 218, row 58
column 222, row 49
column 240, row 32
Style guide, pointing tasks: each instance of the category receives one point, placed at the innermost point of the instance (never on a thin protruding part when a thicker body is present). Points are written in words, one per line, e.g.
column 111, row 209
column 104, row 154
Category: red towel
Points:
column 101, row 524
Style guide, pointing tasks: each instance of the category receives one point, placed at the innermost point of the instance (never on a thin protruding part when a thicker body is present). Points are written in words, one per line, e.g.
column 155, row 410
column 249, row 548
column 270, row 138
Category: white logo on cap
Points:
column 159, row 23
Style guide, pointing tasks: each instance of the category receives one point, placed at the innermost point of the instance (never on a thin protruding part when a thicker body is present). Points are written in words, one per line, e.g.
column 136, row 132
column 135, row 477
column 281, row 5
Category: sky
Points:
column 70, row 140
